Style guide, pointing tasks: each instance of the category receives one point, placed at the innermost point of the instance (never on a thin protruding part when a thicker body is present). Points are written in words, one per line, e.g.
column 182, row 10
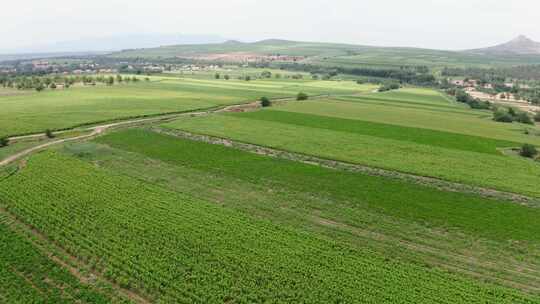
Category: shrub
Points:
column 49, row 133
column 502, row 116
column 389, row 87
column 266, row 74
column 523, row 117
column 462, row 96
column 537, row 117
column 40, row 87
column 528, row 150
column 4, row 142
column 512, row 112
column 265, row 102
column 479, row 104
column 302, row 96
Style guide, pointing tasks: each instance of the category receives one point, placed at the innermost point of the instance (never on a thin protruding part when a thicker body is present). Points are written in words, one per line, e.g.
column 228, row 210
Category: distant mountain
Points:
column 30, row 56
column 521, row 45
column 118, row 43
column 329, row 54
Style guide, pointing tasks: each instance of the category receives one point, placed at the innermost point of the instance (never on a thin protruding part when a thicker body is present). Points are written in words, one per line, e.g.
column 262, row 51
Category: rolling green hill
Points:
column 332, row 54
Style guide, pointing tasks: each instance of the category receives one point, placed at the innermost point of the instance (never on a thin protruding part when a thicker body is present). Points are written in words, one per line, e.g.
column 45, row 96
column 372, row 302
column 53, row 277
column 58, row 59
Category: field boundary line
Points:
column 432, row 182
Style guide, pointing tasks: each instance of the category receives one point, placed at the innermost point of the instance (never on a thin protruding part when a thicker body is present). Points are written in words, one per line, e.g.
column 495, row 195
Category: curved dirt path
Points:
column 28, row 151
column 96, row 130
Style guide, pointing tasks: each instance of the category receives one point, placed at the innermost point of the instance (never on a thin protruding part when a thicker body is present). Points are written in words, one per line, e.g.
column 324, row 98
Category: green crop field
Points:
column 27, row 275
column 172, row 247
column 428, row 136
column 35, row 112
column 435, row 228
column 145, row 215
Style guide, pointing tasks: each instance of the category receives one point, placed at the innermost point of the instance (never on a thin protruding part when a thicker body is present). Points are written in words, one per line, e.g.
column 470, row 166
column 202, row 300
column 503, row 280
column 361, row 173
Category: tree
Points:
column 537, row 117
column 528, row 150
column 4, row 142
column 49, row 133
column 248, row 78
column 53, row 86
column 389, row 86
column 523, row 117
column 40, row 87
column 110, row 80
column 217, row 76
column 119, row 78
column 227, row 77
column 502, row 116
column 265, row 102
column 266, row 74
column 302, row 96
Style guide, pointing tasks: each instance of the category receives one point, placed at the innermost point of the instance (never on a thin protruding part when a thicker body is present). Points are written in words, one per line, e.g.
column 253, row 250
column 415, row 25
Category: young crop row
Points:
column 28, row 276
column 172, row 248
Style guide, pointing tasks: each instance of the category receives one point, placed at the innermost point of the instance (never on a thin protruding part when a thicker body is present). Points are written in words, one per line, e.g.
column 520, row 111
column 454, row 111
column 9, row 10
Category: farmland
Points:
column 278, row 152
column 115, row 223
column 29, row 276
column 428, row 136
column 35, row 112
column 144, row 215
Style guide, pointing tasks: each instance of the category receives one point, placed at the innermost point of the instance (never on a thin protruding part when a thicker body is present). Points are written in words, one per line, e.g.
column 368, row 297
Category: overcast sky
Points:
column 442, row 24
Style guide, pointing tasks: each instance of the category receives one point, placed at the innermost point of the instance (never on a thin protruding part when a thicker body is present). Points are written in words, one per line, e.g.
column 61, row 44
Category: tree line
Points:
column 40, row 83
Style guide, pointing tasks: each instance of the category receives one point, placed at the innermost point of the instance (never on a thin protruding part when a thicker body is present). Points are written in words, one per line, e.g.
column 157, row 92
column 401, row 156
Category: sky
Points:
column 438, row 24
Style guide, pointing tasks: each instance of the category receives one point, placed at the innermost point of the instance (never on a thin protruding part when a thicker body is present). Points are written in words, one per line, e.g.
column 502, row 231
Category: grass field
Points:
column 171, row 247
column 426, row 139
column 35, row 112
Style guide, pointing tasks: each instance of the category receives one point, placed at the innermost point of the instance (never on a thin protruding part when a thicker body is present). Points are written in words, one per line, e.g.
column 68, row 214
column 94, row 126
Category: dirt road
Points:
column 96, row 130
